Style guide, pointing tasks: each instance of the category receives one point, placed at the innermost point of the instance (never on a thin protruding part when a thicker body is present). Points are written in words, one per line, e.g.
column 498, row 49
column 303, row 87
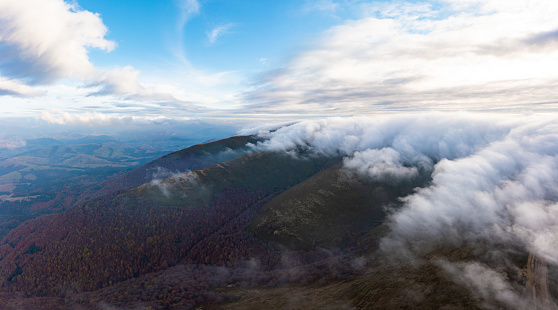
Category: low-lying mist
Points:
column 494, row 181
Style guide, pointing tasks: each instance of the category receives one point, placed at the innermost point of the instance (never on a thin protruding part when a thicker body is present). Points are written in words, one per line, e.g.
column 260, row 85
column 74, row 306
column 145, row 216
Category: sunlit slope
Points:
column 271, row 172
column 193, row 158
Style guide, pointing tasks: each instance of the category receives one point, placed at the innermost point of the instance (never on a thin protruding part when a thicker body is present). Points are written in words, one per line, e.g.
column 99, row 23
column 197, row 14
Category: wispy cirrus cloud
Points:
column 188, row 8
column 218, row 32
column 323, row 6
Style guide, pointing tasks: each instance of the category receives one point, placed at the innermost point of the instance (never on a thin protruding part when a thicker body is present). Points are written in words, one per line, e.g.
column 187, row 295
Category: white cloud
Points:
column 486, row 284
column 434, row 135
column 492, row 176
column 124, row 82
column 494, row 186
column 59, row 117
column 449, row 55
column 326, row 6
column 494, row 193
column 262, row 60
column 120, row 81
column 45, row 40
column 162, row 178
column 218, row 31
column 13, row 87
column 264, row 127
column 383, row 165
column 187, row 10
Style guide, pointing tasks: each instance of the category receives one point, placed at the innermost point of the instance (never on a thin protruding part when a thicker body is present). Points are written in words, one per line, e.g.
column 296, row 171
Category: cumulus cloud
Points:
column 43, row 41
column 122, row 81
column 443, row 55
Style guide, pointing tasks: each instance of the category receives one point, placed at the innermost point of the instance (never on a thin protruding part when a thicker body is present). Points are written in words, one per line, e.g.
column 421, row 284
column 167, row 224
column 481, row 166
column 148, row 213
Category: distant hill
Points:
column 49, row 175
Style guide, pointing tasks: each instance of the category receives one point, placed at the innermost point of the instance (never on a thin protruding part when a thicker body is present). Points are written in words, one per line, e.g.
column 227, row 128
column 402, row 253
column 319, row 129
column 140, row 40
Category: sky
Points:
column 100, row 61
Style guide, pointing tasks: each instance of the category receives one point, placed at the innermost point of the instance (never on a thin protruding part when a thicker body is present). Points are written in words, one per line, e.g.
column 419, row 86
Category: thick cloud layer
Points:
column 410, row 56
column 494, row 178
column 508, row 188
column 392, row 146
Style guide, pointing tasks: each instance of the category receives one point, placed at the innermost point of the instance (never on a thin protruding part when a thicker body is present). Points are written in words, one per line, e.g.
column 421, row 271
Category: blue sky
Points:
column 244, row 32
column 102, row 61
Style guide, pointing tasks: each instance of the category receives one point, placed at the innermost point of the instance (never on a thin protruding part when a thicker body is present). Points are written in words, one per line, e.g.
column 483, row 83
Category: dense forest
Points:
column 172, row 240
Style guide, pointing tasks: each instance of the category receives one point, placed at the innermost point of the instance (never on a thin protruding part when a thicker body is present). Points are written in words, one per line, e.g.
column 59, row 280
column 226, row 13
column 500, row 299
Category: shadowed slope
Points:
column 328, row 210
column 145, row 229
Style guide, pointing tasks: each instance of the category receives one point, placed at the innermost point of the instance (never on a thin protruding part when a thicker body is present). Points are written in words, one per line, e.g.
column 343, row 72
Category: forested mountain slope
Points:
column 230, row 225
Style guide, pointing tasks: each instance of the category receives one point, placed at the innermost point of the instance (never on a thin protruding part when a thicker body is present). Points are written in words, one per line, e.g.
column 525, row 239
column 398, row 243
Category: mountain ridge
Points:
column 260, row 228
